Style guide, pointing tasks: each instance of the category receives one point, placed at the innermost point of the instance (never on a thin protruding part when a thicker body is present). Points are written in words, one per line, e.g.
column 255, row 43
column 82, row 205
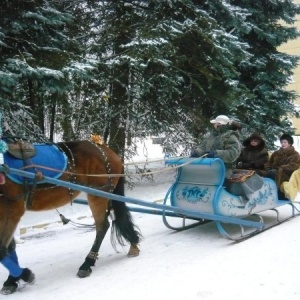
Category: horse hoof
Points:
column 133, row 251
column 84, row 273
column 9, row 286
column 13, row 283
column 27, row 276
column 8, row 290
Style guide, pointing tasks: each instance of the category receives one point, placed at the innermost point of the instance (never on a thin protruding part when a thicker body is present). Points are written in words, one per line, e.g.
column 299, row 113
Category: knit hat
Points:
column 287, row 137
column 222, row 119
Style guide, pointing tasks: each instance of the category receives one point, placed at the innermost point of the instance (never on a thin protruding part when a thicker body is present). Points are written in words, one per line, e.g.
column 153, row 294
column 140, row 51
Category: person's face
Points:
column 284, row 144
column 254, row 142
column 217, row 125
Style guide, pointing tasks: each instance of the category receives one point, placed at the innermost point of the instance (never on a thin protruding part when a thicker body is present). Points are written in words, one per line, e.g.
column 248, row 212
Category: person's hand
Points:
column 210, row 154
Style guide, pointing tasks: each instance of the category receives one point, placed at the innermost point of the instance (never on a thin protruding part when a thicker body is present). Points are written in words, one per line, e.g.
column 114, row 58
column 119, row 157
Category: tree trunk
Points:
column 52, row 120
column 119, row 94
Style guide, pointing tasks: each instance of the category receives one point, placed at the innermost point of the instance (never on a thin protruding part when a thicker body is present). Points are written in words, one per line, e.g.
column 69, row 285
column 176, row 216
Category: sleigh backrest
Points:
column 198, row 182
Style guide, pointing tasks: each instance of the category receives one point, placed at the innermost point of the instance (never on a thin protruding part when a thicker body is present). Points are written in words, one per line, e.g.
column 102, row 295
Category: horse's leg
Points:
column 16, row 273
column 99, row 210
column 10, row 215
column 123, row 225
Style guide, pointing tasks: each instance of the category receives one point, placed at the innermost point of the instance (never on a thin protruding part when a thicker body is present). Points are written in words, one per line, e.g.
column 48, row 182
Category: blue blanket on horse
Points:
column 47, row 156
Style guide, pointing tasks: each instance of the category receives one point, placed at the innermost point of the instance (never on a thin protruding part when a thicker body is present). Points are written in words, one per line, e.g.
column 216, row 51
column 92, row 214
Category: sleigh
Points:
column 199, row 187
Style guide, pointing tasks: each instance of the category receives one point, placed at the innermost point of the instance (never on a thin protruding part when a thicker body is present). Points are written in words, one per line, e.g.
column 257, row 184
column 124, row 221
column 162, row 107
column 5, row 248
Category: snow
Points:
column 194, row 264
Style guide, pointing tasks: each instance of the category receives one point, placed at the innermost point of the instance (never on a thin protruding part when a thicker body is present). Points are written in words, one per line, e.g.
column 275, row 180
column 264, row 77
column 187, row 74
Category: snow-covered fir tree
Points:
column 134, row 68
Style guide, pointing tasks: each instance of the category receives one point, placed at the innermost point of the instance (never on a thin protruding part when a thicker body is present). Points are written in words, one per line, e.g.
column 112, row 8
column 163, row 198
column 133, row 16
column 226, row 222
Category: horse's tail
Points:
column 122, row 225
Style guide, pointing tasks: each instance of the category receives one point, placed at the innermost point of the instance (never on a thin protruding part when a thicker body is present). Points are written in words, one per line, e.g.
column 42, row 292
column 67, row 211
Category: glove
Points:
column 210, row 154
column 194, row 153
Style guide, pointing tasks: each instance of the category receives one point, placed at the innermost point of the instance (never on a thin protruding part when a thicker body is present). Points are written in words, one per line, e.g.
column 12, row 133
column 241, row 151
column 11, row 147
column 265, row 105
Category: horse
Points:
column 83, row 159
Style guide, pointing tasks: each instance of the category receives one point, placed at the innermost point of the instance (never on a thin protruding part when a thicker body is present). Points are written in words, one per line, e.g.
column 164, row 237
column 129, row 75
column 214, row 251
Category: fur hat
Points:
column 287, row 137
column 254, row 136
column 222, row 119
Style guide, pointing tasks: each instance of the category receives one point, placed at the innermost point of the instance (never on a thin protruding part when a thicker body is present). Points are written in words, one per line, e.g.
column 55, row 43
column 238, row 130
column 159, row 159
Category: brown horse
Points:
column 85, row 159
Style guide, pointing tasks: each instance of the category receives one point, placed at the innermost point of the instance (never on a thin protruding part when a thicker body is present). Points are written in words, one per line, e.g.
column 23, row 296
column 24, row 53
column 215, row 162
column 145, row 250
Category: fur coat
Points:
column 285, row 162
column 225, row 143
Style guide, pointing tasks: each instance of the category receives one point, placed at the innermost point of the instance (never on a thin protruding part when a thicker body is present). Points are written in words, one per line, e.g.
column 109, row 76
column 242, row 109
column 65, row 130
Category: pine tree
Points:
column 34, row 52
column 123, row 68
column 184, row 68
column 266, row 74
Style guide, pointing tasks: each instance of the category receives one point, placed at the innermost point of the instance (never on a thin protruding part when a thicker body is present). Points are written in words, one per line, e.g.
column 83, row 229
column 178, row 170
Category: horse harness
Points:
column 25, row 151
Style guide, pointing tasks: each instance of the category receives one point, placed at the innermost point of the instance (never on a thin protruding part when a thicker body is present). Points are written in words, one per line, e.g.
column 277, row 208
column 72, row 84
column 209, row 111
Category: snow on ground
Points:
column 194, row 264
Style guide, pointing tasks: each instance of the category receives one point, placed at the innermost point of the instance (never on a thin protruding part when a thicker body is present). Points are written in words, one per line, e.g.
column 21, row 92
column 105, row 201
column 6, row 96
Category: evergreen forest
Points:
column 125, row 69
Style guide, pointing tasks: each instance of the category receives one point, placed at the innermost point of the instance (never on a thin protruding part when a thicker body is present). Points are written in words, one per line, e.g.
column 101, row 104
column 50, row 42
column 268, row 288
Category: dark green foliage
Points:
column 35, row 61
column 137, row 68
column 267, row 73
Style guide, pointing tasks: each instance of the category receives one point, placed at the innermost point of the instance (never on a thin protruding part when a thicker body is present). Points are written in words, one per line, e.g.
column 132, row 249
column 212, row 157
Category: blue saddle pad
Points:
column 47, row 156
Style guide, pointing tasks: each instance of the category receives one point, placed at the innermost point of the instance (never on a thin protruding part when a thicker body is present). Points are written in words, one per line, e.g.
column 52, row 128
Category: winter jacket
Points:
column 253, row 157
column 226, row 145
column 285, row 162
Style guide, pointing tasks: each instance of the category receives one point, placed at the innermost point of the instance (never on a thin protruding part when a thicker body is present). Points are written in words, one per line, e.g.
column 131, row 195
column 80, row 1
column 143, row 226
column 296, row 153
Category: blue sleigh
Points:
column 199, row 188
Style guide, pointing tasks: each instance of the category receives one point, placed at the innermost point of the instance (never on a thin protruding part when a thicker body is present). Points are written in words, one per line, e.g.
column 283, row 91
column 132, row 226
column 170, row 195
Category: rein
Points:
column 143, row 162
column 114, row 175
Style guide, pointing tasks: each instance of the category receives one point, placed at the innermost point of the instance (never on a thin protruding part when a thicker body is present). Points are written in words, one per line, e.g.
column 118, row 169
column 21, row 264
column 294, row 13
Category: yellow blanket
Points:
column 291, row 187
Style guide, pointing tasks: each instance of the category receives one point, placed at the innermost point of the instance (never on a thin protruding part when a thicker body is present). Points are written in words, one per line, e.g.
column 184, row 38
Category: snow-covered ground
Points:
column 194, row 264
